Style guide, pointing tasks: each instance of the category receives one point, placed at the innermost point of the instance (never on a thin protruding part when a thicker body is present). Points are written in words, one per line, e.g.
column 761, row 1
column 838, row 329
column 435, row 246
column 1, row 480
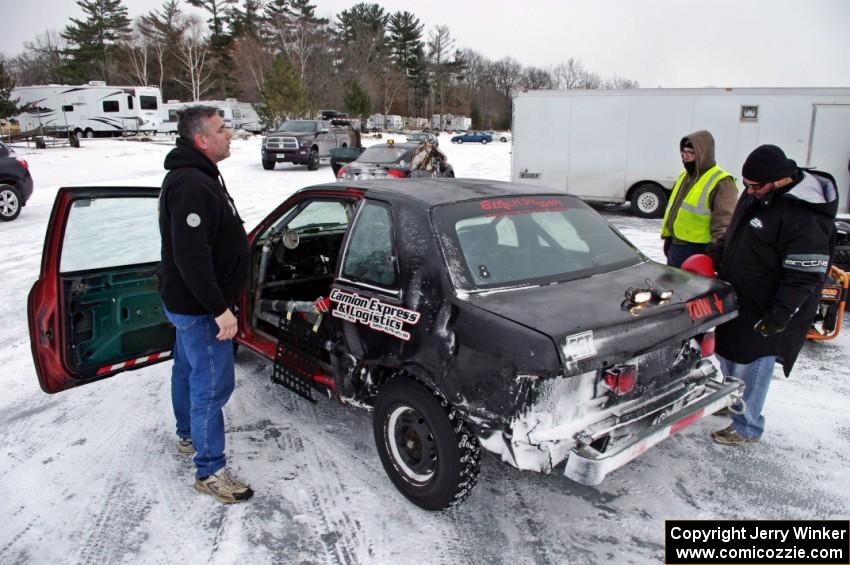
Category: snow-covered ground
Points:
column 92, row 475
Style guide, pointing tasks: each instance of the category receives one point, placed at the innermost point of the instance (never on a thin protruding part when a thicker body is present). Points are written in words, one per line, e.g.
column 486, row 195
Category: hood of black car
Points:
column 594, row 316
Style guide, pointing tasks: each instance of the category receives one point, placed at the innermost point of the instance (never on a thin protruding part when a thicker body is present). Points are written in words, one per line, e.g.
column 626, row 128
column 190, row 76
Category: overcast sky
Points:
column 669, row 43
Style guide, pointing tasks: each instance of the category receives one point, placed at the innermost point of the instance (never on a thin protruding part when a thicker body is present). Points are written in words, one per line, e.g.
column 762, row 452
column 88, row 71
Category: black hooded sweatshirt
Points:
column 204, row 262
column 776, row 252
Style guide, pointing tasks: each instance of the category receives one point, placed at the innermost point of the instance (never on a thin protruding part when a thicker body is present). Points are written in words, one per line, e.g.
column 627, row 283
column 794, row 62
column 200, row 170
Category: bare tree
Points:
column 620, row 82
column 41, row 61
column 536, row 79
column 506, row 75
column 138, row 50
column 164, row 31
column 251, row 61
column 192, row 52
column 568, row 75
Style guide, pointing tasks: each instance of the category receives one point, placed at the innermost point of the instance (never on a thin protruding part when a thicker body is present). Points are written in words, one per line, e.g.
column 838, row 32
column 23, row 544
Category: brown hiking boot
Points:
column 730, row 436
column 224, row 487
column 184, row 446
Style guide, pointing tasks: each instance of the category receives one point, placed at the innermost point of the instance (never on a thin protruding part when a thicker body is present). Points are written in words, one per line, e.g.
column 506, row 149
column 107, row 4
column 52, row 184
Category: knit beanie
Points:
column 768, row 163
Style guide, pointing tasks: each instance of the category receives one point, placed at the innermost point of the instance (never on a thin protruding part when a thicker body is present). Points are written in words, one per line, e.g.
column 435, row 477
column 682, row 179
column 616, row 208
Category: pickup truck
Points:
column 305, row 142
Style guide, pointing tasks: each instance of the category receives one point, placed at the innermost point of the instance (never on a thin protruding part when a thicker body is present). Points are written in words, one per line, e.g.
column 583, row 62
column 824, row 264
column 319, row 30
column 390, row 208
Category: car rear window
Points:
column 524, row 240
column 384, row 155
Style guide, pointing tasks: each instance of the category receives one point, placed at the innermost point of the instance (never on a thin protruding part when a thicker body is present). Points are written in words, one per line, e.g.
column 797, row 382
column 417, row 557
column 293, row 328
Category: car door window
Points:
column 370, row 257
column 110, row 232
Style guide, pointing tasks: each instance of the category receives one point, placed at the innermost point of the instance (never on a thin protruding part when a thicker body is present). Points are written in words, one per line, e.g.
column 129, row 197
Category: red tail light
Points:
column 395, row 173
column 24, row 163
column 341, row 173
column 706, row 344
column 621, row 380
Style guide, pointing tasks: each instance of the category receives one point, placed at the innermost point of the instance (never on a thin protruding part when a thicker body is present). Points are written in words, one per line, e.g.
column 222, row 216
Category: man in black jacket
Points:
column 776, row 253
column 204, row 267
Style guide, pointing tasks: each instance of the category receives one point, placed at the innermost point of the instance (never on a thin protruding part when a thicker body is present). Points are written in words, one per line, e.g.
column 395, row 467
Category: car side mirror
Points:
column 323, row 131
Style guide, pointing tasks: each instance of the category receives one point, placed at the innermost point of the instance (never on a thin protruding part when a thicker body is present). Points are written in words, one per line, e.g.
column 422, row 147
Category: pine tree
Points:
column 282, row 94
column 356, row 101
column 93, row 41
column 405, row 41
column 8, row 105
column 475, row 116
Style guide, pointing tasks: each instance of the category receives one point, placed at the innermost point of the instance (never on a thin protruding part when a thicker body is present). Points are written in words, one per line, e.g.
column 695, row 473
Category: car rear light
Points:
column 706, row 344
column 24, row 163
column 395, row 173
column 620, row 380
column 341, row 173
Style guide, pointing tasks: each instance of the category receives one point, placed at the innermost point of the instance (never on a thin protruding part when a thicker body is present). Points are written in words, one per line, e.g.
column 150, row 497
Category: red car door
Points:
column 95, row 311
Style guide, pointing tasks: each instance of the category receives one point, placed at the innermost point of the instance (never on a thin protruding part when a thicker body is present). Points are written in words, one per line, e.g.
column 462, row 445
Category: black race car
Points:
column 466, row 314
column 397, row 160
column 15, row 184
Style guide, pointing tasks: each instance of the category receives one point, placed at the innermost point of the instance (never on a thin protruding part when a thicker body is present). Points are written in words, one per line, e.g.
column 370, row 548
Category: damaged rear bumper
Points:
column 588, row 466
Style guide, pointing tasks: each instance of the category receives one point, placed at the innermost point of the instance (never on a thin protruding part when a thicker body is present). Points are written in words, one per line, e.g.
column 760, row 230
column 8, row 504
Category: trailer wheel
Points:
column 78, row 132
column 89, row 133
column 313, row 160
column 268, row 165
column 648, row 200
column 425, row 447
column 10, row 202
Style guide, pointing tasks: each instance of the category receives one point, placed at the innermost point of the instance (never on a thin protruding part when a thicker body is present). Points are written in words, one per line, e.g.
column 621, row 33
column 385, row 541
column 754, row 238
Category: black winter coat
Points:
column 776, row 253
column 204, row 262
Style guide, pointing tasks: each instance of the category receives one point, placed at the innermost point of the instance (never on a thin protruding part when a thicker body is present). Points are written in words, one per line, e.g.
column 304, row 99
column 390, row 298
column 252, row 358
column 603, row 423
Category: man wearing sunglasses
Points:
column 701, row 203
column 775, row 252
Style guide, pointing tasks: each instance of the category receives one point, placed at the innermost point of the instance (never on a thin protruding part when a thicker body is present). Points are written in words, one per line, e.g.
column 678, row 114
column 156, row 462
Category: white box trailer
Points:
column 89, row 109
column 236, row 115
column 623, row 145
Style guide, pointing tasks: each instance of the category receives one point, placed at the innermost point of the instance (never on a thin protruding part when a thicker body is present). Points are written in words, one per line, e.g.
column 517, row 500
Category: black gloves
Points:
column 769, row 326
column 715, row 251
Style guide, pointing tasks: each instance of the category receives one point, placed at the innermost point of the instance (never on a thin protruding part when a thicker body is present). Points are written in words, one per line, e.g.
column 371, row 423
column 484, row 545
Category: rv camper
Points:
column 236, row 115
column 623, row 145
column 88, row 109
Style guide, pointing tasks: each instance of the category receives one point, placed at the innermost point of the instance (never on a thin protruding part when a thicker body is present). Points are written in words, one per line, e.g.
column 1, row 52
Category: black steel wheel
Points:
column 313, row 160
column 10, row 202
column 425, row 447
column 648, row 200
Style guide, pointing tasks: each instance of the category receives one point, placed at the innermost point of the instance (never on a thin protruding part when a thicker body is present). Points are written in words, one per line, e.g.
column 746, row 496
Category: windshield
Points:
column 299, row 126
column 384, row 155
column 512, row 241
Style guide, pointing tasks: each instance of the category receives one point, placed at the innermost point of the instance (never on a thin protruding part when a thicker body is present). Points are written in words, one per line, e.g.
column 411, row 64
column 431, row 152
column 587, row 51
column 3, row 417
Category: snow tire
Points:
column 313, row 160
column 426, row 448
column 10, row 202
column 648, row 200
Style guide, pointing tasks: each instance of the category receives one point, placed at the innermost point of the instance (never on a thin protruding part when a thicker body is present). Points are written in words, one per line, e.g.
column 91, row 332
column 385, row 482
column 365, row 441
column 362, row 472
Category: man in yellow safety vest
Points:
column 701, row 204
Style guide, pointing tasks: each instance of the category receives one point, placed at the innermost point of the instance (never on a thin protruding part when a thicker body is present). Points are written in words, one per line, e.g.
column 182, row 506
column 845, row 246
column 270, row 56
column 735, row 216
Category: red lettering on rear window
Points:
column 521, row 205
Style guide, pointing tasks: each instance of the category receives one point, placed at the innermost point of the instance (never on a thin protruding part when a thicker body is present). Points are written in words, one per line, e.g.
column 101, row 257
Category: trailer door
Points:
column 829, row 149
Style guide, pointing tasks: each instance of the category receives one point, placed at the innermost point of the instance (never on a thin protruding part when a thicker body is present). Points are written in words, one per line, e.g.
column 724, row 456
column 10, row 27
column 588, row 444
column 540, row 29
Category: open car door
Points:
column 95, row 311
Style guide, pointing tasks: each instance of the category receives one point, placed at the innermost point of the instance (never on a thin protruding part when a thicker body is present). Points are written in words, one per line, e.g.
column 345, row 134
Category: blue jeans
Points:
column 678, row 252
column 202, row 380
column 756, row 377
